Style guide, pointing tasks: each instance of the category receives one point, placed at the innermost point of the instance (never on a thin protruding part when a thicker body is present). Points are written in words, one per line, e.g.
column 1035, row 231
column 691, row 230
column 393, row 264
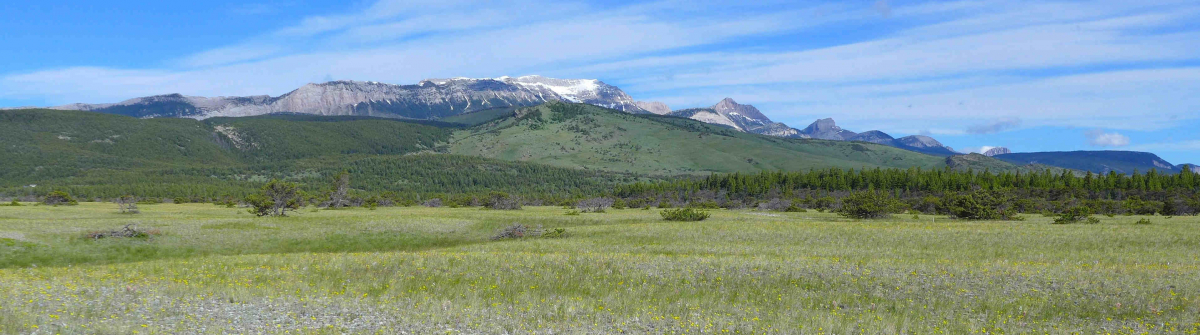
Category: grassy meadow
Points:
column 417, row 270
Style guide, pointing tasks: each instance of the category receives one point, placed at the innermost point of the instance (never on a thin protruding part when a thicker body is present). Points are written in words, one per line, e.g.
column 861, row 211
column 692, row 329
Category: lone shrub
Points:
column 59, row 198
column 869, row 205
column 1143, row 221
column 502, row 201
column 15, row 203
column 979, row 205
column 594, row 205
column 518, row 231
column 555, row 233
column 274, row 199
column 435, row 202
column 127, row 205
column 684, row 214
column 179, row 200
column 129, row 231
column 514, row 231
column 775, row 205
column 1077, row 214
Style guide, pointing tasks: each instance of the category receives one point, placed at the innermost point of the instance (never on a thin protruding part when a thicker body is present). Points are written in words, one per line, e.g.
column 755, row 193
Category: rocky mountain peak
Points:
column 827, row 129
column 731, row 108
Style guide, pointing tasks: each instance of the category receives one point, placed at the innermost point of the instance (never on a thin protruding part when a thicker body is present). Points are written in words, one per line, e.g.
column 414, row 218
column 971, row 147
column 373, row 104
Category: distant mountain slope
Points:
column 429, row 99
column 978, row 162
column 1125, row 162
column 588, row 137
column 924, row 144
column 737, row 116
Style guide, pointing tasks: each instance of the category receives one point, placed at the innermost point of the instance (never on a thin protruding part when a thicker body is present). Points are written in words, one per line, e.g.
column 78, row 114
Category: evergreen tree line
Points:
column 930, row 191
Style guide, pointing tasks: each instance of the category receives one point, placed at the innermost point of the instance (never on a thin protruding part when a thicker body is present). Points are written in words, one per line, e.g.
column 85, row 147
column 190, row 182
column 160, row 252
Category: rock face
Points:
column 429, row 99
column 827, row 129
column 996, row 151
column 654, row 107
column 741, row 117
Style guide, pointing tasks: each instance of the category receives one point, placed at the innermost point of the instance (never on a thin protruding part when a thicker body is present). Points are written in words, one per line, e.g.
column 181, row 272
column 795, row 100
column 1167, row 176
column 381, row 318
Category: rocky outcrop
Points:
column 654, row 107
column 996, row 151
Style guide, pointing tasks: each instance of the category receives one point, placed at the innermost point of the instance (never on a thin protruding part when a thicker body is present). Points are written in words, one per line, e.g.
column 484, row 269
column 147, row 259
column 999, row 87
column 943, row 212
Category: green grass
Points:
column 433, row 270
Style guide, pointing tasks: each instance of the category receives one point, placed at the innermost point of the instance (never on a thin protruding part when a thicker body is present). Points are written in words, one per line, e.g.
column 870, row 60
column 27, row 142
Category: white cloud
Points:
column 1099, row 138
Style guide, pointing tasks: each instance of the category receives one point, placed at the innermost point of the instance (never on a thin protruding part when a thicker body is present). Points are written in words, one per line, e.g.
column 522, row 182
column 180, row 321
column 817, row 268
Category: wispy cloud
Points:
column 995, row 126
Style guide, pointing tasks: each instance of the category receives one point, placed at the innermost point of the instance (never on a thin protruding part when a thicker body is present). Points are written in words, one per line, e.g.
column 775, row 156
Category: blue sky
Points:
column 1028, row 75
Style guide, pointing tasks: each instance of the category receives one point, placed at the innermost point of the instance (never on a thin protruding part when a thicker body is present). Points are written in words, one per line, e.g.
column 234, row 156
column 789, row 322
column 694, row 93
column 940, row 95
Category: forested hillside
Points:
column 590, row 137
column 99, row 155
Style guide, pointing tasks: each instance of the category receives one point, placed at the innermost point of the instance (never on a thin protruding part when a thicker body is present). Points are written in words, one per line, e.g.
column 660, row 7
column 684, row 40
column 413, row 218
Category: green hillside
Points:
column 102, row 155
column 589, row 137
column 979, row 163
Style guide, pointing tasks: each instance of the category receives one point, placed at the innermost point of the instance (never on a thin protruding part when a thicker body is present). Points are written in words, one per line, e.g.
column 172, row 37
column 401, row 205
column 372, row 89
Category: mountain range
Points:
column 430, row 99
column 446, row 99
column 434, row 99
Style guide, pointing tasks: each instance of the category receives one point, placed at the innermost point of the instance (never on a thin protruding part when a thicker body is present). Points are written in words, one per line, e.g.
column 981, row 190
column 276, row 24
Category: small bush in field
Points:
column 1143, row 221
column 869, row 205
column 594, row 205
column 179, row 200
column 1077, row 214
column 15, row 203
column 502, row 201
column 554, row 233
column 519, row 231
column 684, row 214
column 59, row 198
column 979, row 205
column 775, row 205
column 512, row 232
